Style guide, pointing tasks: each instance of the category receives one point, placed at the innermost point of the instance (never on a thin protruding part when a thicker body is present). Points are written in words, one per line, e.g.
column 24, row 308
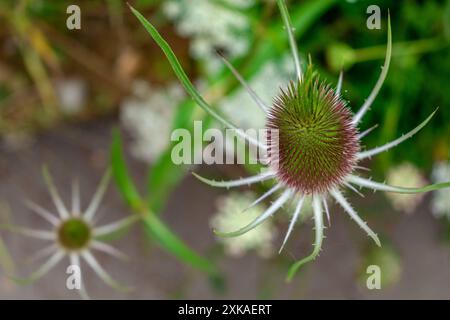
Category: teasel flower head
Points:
column 73, row 234
column 319, row 143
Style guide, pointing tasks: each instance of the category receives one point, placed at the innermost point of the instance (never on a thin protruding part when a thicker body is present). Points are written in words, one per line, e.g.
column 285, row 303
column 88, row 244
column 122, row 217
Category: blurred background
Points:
column 63, row 91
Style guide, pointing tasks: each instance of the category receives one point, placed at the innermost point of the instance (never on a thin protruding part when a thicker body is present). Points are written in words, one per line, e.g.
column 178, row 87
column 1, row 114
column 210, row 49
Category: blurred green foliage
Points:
column 415, row 84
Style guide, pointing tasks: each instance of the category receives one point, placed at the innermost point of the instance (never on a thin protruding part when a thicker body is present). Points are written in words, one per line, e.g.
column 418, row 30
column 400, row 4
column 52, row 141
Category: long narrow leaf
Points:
column 177, row 247
column 120, row 172
column 178, row 69
column 157, row 229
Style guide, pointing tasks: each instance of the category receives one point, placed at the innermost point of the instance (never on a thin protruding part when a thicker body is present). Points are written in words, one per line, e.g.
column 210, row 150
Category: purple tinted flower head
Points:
column 317, row 143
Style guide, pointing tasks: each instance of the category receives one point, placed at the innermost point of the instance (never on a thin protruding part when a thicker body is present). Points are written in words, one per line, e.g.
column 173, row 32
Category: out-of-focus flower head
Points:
column 407, row 175
column 233, row 211
column 387, row 259
column 440, row 203
column 74, row 234
column 148, row 115
column 71, row 94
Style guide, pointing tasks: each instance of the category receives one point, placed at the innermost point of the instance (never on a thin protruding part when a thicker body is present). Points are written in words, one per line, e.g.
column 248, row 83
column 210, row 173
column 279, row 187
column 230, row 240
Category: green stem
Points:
column 170, row 242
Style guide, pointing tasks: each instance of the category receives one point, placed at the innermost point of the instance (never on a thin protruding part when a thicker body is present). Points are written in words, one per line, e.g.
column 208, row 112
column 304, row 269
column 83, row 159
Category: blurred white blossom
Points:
column 211, row 25
column 71, row 94
column 440, row 204
column 387, row 258
column 242, row 110
column 148, row 116
column 231, row 216
column 405, row 175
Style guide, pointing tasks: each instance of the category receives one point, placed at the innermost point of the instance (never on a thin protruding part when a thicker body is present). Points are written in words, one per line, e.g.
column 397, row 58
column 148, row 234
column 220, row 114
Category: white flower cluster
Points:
column 242, row 110
column 211, row 25
column 71, row 94
column 148, row 116
column 405, row 175
column 440, row 204
column 231, row 216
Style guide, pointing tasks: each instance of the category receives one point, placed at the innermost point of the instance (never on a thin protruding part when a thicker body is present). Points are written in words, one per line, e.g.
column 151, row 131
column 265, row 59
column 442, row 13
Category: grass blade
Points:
column 173, row 60
column 120, row 172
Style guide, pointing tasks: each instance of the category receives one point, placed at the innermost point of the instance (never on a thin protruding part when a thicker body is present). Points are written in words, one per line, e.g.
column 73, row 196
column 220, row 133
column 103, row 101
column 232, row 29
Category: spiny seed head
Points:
column 74, row 234
column 317, row 143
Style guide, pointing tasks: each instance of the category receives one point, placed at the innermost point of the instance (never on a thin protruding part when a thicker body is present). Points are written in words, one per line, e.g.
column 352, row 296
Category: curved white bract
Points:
column 236, row 183
column 383, row 74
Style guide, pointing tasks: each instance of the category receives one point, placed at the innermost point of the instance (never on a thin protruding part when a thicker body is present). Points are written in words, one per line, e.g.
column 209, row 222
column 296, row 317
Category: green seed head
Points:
column 74, row 234
column 317, row 143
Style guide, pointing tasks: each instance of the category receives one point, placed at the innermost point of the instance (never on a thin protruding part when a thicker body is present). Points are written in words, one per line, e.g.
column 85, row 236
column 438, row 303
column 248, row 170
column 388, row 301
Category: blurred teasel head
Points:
column 73, row 234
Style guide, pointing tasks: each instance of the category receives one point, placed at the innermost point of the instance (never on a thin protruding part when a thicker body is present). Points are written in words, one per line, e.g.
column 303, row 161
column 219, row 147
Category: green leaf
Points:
column 157, row 229
column 120, row 172
column 178, row 69
column 184, row 113
column 165, row 175
column 174, row 245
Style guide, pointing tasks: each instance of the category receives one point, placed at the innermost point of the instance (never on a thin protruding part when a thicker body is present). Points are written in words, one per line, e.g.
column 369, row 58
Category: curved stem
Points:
column 318, row 222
